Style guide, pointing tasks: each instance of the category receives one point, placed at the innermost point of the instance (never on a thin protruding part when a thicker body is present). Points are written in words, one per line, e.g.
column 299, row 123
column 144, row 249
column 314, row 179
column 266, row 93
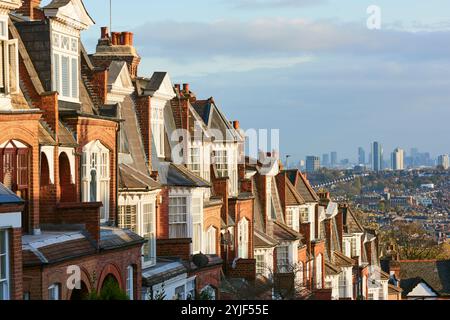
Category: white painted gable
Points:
column 10, row 4
column 422, row 290
column 73, row 13
column 165, row 90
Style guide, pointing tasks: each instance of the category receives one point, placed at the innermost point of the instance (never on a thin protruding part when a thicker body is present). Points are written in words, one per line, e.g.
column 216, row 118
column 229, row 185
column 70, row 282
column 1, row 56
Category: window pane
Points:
column 74, row 78
column 65, row 76
column 128, row 218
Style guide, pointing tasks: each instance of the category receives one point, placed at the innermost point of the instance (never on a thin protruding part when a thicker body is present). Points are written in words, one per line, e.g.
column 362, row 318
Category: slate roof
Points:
column 302, row 185
column 8, row 197
column 57, row 246
column 282, row 232
column 331, row 269
column 113, row 238
column 180, row 176
column 291, row 196
column 435, row 273
column 341, row 260
column 351, row 222
column 262, row 240
column 164, row 270
column 131, row 179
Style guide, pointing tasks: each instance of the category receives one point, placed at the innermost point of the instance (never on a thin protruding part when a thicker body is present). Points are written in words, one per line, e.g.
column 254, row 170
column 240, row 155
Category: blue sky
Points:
column 308, row 67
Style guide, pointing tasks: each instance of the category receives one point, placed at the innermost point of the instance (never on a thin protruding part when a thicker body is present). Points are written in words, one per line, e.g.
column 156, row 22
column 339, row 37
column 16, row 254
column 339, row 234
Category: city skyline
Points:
column 307, row 51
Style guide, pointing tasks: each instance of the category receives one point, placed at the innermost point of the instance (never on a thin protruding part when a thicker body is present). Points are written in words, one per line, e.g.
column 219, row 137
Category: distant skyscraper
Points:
column 361, row 156
column 377, row 157
column 398, row 159
column 443, row 161
column 312, row 164
column 326, row 160
column 334, row 159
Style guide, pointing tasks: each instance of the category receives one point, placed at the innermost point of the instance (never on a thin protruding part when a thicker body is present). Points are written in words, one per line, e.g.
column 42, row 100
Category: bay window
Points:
column 4, row 265
column 128, row 218
column 292, row 218
column 197, row 225
column 178, row 215
column 304, row 215
column 283, row 259
column 95, row 176
column 149, row 233
column 211, row 240
column 65, row 66
column 243, row 237
column 260, row 264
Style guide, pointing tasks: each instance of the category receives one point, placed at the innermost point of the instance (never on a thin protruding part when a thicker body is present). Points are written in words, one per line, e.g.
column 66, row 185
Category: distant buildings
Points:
column 326, row 160
column 398, row 159
column 443, row 161
column 312, row 164
column 361, row 156
column 334, row 159
column 377, row 157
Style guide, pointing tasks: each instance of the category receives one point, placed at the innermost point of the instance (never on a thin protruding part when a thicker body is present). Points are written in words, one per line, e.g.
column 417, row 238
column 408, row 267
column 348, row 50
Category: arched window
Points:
column 95, row 176
column 319, row 261
column 45, row 170
column 243, row 239
column 211, row 236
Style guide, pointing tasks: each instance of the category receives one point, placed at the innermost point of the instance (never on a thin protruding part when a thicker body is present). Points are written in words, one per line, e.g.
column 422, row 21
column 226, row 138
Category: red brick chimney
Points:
column 31, row 8
column 104, row 32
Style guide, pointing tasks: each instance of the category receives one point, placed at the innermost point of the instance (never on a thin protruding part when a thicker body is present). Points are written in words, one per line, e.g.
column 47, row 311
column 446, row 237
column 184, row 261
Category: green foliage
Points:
column 110, row 291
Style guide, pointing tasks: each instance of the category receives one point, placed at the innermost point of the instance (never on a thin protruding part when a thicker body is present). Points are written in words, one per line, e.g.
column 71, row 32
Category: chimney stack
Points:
column 186, row 87
column 30, row 8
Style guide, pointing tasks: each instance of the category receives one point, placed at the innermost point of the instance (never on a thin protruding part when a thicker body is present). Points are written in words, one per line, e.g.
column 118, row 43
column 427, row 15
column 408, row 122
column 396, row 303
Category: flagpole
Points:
column 110, row 15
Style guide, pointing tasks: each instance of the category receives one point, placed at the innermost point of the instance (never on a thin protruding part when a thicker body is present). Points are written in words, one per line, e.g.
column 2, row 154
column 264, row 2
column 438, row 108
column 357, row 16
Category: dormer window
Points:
column 9, row 57
column 65, row 66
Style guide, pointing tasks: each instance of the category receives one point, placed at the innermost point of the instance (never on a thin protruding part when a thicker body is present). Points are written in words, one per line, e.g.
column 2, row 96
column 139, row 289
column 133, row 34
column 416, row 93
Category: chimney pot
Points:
column 105, row 32
column 115, row 38
column 186, row 87
column 236, row 125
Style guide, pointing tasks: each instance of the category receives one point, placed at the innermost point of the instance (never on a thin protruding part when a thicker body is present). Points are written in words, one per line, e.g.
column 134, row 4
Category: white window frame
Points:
column 130, row 282
column 54, row 292
column 72, row 54
column 124, row 211
column 158, row 128
column 96, row 157
column 195, row 160
column 283, row 261
column 293, row 218
column 183, row 216
column 149, row 233
column 211, row 241
column 197, row 224
column 190, row 288
column 5, row 281
column 243, row 238
column 6, row 44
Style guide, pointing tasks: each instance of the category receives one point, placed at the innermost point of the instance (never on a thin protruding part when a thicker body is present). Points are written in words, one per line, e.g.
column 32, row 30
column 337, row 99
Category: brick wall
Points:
column 27, row 133
column 208, row 277
column 162, row 217
column 143, row 111
column 94, row 271
column 81, row 213
column 240, row 209
column 211, row 217
column 180, row 248
column 16, row 273
column 245, row 268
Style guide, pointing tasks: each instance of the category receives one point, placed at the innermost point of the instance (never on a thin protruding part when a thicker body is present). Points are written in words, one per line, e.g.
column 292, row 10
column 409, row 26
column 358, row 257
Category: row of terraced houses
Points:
column 113, row 176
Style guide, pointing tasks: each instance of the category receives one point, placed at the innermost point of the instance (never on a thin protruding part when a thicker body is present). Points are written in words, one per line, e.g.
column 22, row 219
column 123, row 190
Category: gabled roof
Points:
column 331, row 269
column 302, row 185
column 131, row 179
column 72, row 12
column 215, row 119
column 262, row 240
column 435, row 273
column 159, row 85
column 8, row 197
column 281, row 232
column 342, row 260
column 291, row 196
column 180, row 176
column 351, row 222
